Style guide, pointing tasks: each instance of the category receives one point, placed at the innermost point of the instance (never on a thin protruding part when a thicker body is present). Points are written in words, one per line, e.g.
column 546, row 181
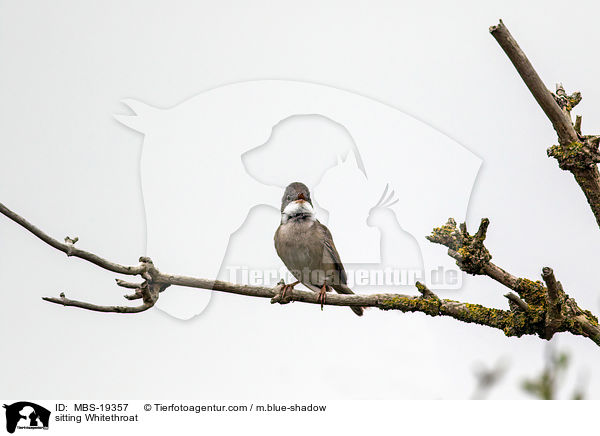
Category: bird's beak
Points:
column 301, row 197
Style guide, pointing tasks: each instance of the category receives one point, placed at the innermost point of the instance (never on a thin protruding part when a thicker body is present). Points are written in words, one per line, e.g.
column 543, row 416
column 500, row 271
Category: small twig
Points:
column 89, row 306
column 577, row 125
column 424, row 290
column 482, row 231
column 554, row 296
column 552, row 285
column 135, row 296
column 518, row 303
column 566, row 102
column 128, row 285
column 69, row 240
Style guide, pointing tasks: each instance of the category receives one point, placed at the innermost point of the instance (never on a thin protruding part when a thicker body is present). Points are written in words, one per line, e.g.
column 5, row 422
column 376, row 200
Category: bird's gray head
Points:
column 296, row 202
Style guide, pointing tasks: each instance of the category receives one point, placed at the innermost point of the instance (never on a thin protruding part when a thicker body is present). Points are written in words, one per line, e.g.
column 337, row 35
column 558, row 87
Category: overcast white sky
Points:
column 71, row 168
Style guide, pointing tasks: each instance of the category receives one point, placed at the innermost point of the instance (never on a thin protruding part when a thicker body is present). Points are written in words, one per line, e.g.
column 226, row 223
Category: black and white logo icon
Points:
column 26, row 415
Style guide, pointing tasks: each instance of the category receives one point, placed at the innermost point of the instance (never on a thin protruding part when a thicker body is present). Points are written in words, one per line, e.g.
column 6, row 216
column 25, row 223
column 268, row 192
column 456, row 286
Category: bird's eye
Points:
column 289, row 198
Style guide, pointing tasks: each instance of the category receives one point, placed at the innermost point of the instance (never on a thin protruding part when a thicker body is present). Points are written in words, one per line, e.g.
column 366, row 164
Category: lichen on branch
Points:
column 468, row 250
column 538, row 309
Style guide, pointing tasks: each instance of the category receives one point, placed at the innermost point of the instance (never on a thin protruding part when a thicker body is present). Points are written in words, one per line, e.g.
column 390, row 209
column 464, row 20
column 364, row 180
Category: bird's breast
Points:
column 297, row 245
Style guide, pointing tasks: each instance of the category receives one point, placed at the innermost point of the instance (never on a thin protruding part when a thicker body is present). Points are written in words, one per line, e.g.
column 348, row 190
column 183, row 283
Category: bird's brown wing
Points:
column 331, row 255
column 332, row 258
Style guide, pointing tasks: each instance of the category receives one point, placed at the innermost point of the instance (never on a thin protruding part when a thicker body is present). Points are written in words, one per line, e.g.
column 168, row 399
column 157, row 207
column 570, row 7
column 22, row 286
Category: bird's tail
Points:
column 344, row 289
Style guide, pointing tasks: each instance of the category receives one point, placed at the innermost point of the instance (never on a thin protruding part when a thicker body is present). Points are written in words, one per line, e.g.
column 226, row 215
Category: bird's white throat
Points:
column 297, row 209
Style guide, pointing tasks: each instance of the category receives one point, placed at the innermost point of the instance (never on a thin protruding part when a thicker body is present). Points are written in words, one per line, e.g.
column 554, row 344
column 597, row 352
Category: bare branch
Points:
column 469, row 251
column 69, row 248
column 511, row 323
column 542, row 95
column 575, row 153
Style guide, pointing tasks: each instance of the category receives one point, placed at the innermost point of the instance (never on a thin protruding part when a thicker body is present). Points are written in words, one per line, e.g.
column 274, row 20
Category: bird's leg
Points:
column 322, row 294
column 289, row 287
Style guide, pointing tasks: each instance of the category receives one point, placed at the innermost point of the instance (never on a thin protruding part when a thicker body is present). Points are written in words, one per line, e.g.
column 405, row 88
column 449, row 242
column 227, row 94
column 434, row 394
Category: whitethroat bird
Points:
column 306, row 247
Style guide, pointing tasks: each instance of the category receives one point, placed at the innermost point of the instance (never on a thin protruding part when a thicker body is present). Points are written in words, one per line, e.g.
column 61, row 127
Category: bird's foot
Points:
column 322, row 295
column 289, row 288
column 285, row 293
